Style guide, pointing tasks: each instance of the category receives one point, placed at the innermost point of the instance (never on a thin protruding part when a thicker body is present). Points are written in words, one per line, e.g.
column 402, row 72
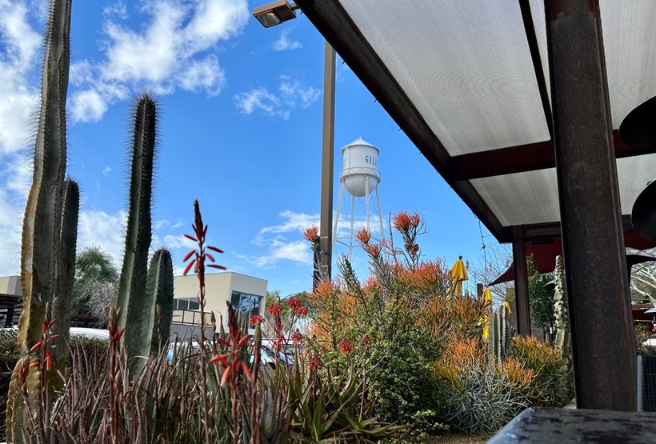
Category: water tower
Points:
column 360, row 178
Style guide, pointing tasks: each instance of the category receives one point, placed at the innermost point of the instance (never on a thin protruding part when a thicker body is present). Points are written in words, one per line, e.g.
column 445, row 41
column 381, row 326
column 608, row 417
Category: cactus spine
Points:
column 563, row 340
column 160, row 290
column 135, row 309
column 500, row 334
column 41, row 223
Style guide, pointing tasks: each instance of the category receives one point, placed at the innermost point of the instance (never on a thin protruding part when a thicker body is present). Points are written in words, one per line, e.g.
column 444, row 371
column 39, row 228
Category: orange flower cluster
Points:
column 345, row 347
column 403, row 221
column 316, row 363
column 311, row 234
column 275, row 309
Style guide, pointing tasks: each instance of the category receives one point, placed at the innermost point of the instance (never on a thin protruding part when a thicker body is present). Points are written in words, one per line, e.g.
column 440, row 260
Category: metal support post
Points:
column 593, row 245
column 327, row 161
column 521, row 281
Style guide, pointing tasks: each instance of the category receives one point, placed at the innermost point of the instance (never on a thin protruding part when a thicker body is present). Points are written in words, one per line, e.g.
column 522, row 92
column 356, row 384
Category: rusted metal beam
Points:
column 598, row 290
column 521, row 281
column 519, row 159
column 532, row 40
column 552, row 230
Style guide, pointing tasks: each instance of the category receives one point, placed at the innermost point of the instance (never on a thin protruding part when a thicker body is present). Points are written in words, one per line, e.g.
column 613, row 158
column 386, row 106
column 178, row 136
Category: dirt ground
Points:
column 457, row 438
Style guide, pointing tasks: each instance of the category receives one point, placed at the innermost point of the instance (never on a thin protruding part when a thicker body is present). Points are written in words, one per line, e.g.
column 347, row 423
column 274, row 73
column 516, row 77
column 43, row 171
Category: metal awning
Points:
column 468, row 82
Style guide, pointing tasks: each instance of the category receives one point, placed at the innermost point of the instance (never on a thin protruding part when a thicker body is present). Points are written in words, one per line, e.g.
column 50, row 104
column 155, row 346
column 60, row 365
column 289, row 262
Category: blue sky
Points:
column 240, row 131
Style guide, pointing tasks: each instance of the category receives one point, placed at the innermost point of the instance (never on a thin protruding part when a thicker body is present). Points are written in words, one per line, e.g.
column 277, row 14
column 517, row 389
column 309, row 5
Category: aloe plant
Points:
column 160, row 290
column 41, row 223
column 136, row 310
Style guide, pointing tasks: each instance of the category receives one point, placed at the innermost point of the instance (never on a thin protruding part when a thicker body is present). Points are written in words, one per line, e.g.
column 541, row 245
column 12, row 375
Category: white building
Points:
column 246, row 294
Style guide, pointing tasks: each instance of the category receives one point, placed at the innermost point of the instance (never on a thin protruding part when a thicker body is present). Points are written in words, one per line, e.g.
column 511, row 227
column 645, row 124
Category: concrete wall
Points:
column 10, row 285
column 218, row 291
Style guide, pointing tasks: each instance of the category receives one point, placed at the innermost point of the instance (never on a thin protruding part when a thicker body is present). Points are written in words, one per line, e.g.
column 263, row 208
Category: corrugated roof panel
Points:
column 465, row 65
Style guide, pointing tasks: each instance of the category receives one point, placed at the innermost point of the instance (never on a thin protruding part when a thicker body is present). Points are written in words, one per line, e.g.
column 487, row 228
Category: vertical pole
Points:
column 380, row 216
column 339, row 206
column 10, row 316
column 327, row 162
column 593, row 245
column 521, row 281
column 479, row 291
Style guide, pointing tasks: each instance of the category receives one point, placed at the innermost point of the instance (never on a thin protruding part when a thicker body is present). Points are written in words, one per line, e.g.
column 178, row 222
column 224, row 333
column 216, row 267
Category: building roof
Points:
column 468, row 82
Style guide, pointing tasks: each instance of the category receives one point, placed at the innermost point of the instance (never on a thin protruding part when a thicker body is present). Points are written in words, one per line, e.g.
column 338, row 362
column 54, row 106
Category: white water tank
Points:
column 360, row 174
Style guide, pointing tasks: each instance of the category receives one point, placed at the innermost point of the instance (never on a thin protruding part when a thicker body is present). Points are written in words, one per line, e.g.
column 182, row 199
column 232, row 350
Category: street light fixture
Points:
column 275, row 13
column 271, row 15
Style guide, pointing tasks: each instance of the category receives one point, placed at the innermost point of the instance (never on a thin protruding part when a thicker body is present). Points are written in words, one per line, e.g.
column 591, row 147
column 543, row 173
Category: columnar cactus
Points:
column 563, row 339
column 67, row 247
column 500, row 334
column 41, row 224
column 132, row 298
column 160, row 290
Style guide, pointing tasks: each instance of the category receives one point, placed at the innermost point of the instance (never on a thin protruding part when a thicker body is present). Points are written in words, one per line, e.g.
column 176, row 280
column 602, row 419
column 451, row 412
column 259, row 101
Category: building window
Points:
column 245, row 304
column 186, row 304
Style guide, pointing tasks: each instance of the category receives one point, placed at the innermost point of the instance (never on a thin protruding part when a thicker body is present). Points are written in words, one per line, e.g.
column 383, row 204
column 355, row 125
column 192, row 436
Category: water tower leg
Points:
column 336, row 223
column 366, row 198
column 352, row 233
column 380, row 217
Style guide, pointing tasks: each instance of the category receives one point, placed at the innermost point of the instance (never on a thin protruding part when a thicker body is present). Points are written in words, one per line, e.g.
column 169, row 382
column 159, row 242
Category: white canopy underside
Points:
column 467, row 68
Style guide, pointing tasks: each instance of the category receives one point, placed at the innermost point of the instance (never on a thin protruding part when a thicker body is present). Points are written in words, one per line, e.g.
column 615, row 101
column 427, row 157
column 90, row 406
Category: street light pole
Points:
column 327, row 164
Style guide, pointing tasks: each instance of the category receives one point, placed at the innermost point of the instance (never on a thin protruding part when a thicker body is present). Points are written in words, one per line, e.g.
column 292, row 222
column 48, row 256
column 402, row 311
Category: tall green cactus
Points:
column 67, row 246
column 563, row 339
column 160, row 290
column 500, row 334
column 132, row 298
column 41, row 223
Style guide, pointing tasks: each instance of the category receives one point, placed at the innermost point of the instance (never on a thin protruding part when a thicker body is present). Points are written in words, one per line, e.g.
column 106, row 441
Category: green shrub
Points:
column 544, row 360
column 9, row 352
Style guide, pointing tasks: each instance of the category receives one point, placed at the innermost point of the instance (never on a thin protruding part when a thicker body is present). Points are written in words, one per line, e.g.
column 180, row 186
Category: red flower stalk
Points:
column 301, row 311
column 363, row 236
column 311, row 234
column 316, row 363
column 297, row 337
column 293, row 302
column 256, row 319
column 275, row 309
column 366, row 340
column 346, row 347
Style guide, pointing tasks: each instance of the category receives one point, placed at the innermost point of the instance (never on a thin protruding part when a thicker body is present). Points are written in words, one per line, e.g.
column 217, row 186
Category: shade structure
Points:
column 544, row 255
column 458, row 275
column 468, row 82
column 524, row 128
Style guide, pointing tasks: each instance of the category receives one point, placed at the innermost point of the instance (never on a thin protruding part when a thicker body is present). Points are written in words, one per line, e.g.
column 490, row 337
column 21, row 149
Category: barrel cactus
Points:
column 40, row 243
column 500, row 334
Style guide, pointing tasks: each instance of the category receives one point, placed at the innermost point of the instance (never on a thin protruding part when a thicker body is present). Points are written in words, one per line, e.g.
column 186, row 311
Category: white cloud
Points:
column 117, row 9
column 179, row 241
column 107, row 231
column 174, row 49
column 279, row 247
column 87, row 106
column 291, row 94
column 106, row 171
column 20, row 49
column 285, row 43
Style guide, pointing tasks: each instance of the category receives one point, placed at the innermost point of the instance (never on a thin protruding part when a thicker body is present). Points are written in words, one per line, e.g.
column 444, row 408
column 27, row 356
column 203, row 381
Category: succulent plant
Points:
column 134, row 274
column 160, row 290
column 500, row 334
column 40, row 243
column 563, row 339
